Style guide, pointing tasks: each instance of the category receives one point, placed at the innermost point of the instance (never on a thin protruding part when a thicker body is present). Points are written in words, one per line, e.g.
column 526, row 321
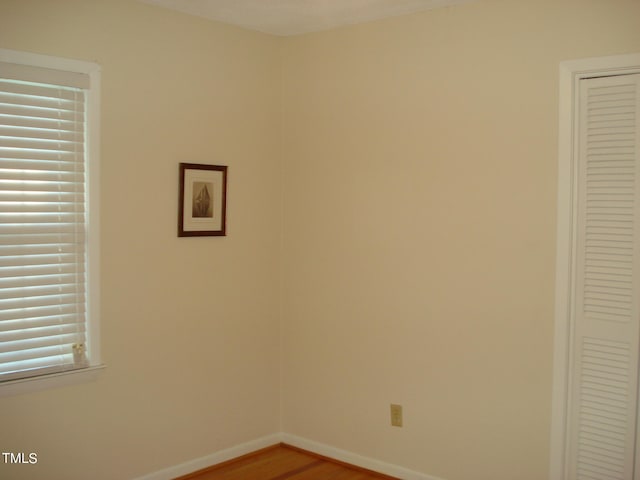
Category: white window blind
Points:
column 43, row 221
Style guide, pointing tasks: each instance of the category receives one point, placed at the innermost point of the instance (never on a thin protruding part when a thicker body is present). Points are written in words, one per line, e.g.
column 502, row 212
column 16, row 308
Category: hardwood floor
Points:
column 283, row 462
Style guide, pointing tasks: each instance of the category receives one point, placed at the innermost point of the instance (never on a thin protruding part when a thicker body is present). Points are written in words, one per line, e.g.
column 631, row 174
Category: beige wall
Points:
column 190, row 326
column 419, row 214
column 416, row 157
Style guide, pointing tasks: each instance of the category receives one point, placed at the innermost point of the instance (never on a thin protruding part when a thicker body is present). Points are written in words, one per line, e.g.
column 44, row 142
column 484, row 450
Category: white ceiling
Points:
column 292, row 17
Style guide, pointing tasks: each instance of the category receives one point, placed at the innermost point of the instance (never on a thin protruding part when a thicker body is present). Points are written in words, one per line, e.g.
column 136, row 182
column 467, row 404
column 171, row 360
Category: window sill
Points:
column 54, row 380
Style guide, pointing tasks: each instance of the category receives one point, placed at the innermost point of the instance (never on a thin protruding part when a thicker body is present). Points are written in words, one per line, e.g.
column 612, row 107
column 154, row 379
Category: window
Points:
column 49, row 204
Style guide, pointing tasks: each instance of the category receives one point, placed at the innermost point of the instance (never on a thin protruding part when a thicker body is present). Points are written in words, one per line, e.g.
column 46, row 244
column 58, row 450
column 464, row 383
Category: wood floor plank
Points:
column 298, row 471
column 325, row 471
column 271, row 465
column 350, row 469
column 260, row 466
column 283, row 463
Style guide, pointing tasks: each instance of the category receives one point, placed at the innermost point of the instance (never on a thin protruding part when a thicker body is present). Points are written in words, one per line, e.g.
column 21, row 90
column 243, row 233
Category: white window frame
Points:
column 72, row 377
column 571, row 72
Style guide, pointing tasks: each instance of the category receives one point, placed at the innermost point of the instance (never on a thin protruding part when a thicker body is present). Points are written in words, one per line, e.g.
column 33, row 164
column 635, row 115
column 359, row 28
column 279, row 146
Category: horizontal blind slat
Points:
column 30, row 131
column 48, row 350
column 40, row 259
column 43, row 249
column 42, row 175
column 41, row 281
column 70, row 102
column 43, row 76
column 41, row 196
column 39, row 113
column 58, row 218
column 40, row 239
column 42, row 228
column 21, row 347
column 41, row 208
column 41, row 160
column 41, row 333
column 38, row 366
column 23, row 302
column 33, row 90
column 39, row 290
column 43, row 123
column 38, row 322
column 18, row 188
column 24, row 272
column 46, row 144
column 46, row 311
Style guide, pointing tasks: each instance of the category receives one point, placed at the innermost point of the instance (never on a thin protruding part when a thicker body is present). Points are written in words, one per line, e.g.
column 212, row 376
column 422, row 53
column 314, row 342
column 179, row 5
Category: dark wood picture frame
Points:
column 202, row 206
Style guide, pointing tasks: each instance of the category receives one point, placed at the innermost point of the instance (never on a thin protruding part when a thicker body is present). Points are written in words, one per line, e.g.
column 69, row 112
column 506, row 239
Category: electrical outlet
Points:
column 396, row 415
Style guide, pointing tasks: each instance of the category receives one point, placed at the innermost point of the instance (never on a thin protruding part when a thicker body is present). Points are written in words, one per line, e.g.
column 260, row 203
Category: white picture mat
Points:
column 214, row 177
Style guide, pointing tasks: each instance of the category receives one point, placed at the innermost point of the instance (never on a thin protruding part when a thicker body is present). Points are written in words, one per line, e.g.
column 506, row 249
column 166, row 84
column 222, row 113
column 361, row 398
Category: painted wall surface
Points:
column 190, row 326
column 419, row 230
column 416, row 161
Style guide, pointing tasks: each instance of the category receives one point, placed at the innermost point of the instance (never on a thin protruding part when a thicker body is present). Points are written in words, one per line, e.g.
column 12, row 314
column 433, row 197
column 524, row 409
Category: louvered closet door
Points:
column 604, row 374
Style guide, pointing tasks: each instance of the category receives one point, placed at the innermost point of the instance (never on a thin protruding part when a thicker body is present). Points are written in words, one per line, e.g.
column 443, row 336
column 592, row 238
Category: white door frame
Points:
column 571, row 72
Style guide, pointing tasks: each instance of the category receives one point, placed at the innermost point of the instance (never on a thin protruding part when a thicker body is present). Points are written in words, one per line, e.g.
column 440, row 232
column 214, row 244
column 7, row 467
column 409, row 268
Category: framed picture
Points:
column 203, row 200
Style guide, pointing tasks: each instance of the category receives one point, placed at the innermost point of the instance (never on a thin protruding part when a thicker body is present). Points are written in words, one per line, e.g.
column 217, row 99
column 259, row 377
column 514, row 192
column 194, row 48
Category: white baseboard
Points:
column 295, row 441
column 354, row 458
column 213, row 459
